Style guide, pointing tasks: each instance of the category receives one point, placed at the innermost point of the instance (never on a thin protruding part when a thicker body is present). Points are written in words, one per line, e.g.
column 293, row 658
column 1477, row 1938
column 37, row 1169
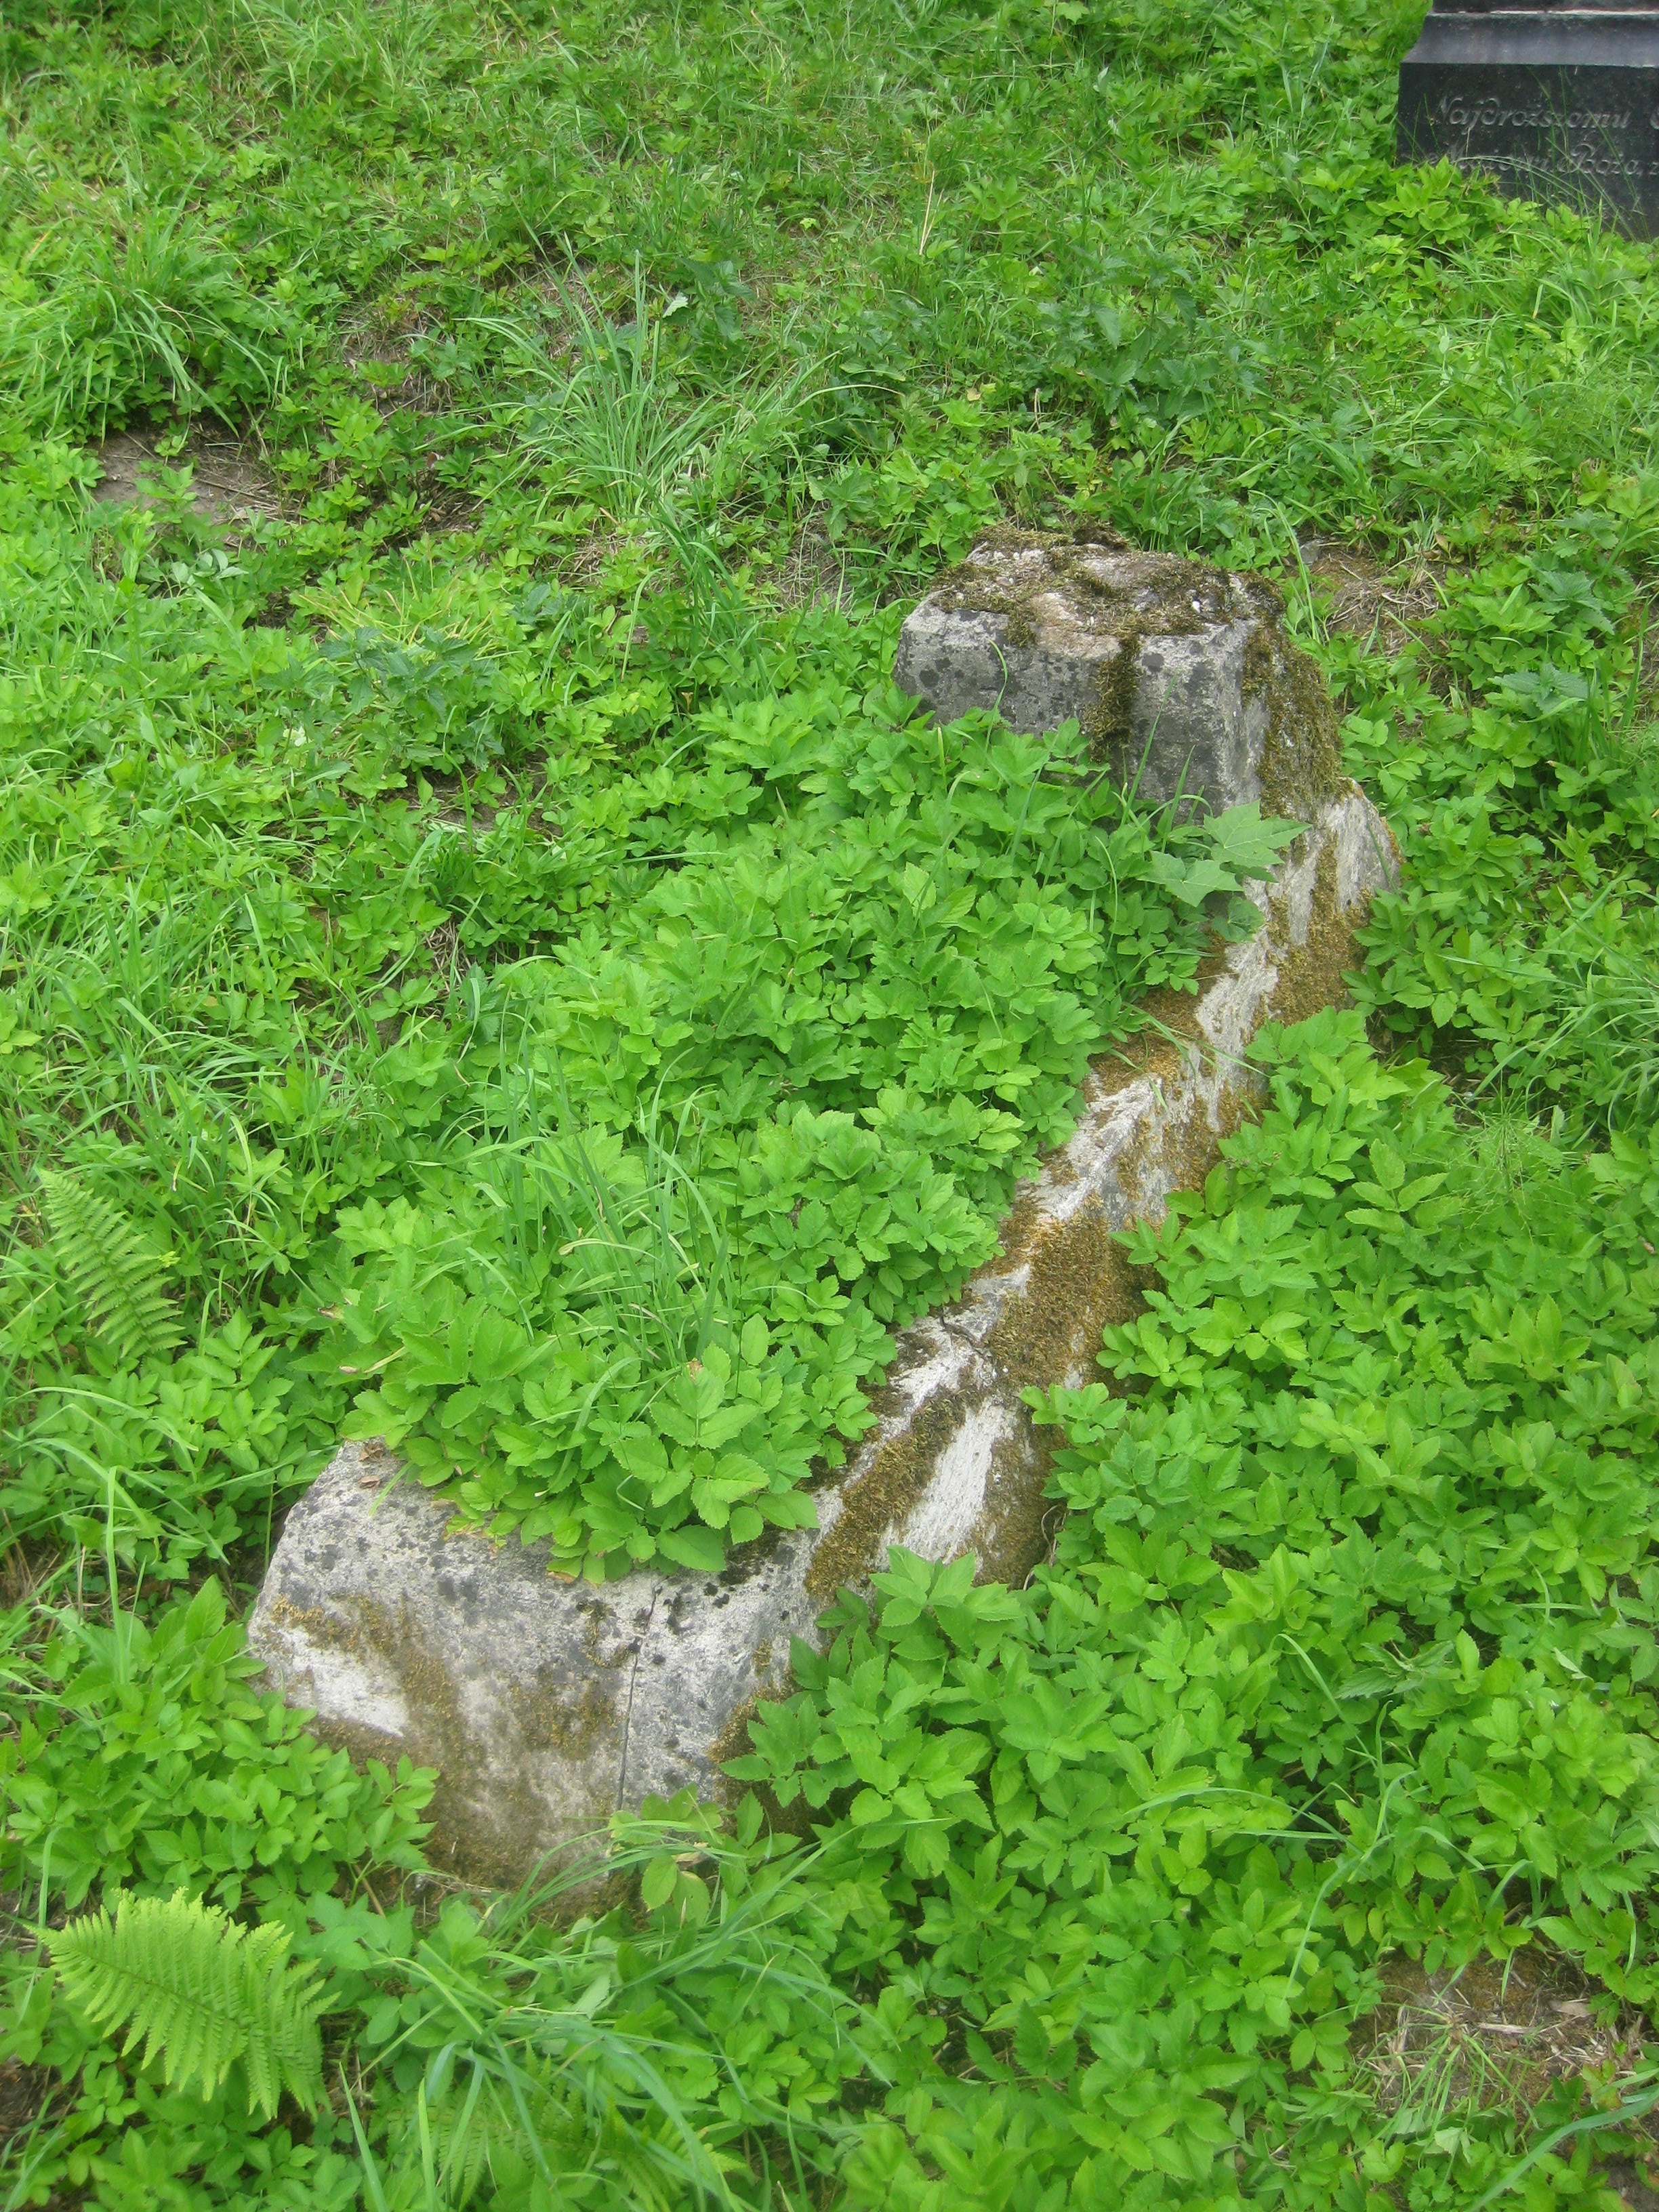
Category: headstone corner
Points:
column 1548, row 100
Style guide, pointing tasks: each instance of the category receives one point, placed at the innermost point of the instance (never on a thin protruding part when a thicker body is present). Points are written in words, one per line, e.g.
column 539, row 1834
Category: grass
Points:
column 480, row 940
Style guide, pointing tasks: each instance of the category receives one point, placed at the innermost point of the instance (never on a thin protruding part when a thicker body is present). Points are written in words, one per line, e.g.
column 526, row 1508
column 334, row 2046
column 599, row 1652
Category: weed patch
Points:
column 1342, row 1578
column 486, row 958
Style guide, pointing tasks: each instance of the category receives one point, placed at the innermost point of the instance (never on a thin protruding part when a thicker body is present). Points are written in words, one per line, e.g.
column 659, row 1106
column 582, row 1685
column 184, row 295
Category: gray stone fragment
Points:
column 1178, row 672
column 544, row 1704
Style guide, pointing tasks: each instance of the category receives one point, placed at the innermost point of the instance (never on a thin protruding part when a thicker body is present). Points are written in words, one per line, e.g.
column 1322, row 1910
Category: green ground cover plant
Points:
column 486, row 959
column 1346, row 1646
column 709, row 1081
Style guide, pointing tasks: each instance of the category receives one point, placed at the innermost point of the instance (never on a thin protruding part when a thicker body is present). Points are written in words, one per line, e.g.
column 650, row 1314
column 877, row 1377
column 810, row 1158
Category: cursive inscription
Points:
column 1491, row 114
column 1577, row 162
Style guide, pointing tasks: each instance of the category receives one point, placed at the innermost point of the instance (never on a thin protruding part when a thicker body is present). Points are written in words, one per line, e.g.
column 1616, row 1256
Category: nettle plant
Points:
column 831, row 976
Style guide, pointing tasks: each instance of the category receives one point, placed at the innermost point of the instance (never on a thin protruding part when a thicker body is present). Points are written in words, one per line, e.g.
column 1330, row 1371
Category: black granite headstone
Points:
column 1552, row 103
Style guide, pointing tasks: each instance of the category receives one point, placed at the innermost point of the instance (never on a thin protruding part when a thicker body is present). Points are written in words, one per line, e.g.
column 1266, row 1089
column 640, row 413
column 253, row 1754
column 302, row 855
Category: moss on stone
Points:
column 1008, row 570
column 1311, row 973
column 1107, row 725
column 1301, row 752
column 884, row 1496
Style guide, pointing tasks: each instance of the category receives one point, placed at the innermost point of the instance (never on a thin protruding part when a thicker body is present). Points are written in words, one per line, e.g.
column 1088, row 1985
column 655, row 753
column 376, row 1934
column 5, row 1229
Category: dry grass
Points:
column 1494, row 2038
column 1386, row 607
column 584, row 561
column 811, row 574
column 449, row 960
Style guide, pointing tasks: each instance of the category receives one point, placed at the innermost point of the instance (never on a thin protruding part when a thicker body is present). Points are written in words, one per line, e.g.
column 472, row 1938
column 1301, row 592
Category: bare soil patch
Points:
column 229, row 483
column 1492, row 2037
column 23, row 2091
column 1387, row 607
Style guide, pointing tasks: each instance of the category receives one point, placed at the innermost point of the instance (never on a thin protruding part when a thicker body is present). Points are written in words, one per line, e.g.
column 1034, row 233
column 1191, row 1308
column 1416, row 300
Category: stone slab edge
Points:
column 547, row 1705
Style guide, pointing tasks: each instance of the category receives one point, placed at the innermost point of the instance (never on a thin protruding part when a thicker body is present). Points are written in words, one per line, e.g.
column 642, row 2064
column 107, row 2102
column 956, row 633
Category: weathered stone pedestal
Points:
column 1551, row 102
column 1179, row 674
column 546, row 1705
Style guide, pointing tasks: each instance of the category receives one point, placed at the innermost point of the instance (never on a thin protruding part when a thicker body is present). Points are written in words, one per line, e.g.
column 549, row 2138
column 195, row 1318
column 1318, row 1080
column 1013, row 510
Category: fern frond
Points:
column 199, row 1990
column 284, row 2048
column 115, row 1273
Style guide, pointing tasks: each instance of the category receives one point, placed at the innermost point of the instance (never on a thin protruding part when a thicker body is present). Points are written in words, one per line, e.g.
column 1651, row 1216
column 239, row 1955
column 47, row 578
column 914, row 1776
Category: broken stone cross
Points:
column 547, row 1705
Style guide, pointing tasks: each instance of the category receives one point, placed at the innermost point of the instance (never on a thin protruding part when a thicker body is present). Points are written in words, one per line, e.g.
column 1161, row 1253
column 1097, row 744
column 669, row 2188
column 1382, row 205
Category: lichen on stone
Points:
column 1096, row 597
column 487, row 1824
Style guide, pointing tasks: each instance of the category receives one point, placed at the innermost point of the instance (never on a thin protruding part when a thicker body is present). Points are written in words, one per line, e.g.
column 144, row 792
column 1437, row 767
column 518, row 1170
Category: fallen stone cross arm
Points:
column 544, row 1704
